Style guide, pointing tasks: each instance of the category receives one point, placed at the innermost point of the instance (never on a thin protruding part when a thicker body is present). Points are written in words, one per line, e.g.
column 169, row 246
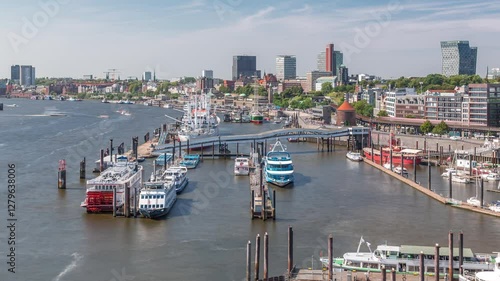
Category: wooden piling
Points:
column 450, row 257
column 264, row 211
column 414, row 168
column 436, row 262
column 253, row 203
column 421, row 266
column 425, row 145
column 213, row 150
column 188, row 150
column 61, row 175
column 330, row 257
column 384, row 273
column 257, row 256
column 381, row 160
column 437, row 147
column 402, row 161
column 470, row 165
column 111, row 150
column 165, row 160
column 180, row 149
column 460, row 252
column 101, row 163
column 202, row 152
column 416, row 144
column 393, row 275
column 249, row 261
column 266, row 256
column 390, row 157
column 290, row 250
column 114, row 201
column 429, row 173
column 450, row 184
column 482, row 193
column 82, row 169
column 237, row 148
column 126, row 201
column 274, row 204
column 135, row 202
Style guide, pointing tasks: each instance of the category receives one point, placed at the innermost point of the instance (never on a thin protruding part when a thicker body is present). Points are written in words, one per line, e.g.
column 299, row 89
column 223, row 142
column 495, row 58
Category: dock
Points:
column 263, row 199
column 432, row 194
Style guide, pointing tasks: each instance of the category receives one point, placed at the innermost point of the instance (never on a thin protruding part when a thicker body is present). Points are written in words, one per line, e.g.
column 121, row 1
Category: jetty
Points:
column 263, row 199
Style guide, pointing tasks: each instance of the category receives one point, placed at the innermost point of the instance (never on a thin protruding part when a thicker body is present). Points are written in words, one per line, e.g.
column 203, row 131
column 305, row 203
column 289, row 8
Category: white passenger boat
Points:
column 241, row 166
column 491, row 176
column 396, row 169
column 354, row 156
column 493, row 275
column 278, row 165
column 156, row 199
column 405, row 259
column 177, row 176
column 121, row 175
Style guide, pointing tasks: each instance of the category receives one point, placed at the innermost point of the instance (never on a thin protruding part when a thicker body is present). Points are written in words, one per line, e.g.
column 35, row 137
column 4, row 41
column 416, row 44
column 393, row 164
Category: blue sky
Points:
column 181, row 38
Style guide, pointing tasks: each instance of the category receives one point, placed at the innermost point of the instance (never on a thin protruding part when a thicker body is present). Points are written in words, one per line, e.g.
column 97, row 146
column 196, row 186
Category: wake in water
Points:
column 71, row 266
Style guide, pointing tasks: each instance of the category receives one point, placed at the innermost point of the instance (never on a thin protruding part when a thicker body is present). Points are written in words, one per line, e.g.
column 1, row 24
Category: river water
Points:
column 205, row 235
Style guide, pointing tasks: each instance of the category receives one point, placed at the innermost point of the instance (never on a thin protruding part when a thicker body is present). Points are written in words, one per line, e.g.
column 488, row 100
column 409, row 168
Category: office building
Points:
column 321, row 61
column 481, row 105
column 286, row 67
column 339, row 61
column 311, row 78
column 458, row 58
column 146, row 76
column 207, row 73
column 26, row 75
column 343, row 77
column 330, row 60
column 445, row 105
column 15, row 71
column 244, row 66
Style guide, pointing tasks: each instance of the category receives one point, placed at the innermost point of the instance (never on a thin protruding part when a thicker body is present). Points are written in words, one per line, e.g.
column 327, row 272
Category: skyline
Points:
column 175, row 39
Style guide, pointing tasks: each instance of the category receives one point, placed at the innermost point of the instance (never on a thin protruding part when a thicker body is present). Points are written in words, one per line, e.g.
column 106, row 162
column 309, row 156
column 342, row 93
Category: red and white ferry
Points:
column 123, row 174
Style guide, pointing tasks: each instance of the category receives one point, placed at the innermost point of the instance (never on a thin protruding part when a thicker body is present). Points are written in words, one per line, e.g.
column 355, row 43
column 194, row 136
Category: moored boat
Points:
column 177, row 176
column 278, row 165
column 156, row 199
column 163, row 159
column 405, row 259
column 354, row 156
column 121, row 175
column 241, row 166
column 190, row 161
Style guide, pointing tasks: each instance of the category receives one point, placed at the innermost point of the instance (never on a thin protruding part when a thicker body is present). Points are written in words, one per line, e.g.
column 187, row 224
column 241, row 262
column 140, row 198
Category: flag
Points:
column 362, row 240
column 368, row 244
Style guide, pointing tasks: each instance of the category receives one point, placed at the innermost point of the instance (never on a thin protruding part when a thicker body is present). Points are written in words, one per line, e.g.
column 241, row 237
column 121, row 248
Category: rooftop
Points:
column 346, row 106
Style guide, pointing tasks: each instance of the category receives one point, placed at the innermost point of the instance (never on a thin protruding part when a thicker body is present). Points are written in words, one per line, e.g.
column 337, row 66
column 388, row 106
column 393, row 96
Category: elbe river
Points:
column 204, row 237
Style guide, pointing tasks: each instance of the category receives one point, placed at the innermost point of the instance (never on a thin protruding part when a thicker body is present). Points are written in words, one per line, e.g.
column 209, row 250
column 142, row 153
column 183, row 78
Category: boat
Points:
column 474, row 202
column 141, row 159
column 104, row 100
column 122, row 174
column 491, row 176
column 12, row 105
column 163, row 159
column 492, row 275
column 108, row 162
column 460, row 179
column 409, row 155
column 198, row 121
column 256, row 117
column 405, row 259
column 156, row 199
column 354, row 156
column 241, row 166
column 278, row 166
column 495, row 206
column 74, row 99
column 167, row 105
column 396, row 169
column 128, row 102
column 190, row 161
column 177, row 176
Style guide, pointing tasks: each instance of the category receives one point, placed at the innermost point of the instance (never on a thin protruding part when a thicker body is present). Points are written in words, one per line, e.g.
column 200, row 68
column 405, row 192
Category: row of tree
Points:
column 440, row 129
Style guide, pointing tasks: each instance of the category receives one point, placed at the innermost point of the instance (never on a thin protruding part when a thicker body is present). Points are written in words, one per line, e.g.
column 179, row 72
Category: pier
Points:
column 263, row 198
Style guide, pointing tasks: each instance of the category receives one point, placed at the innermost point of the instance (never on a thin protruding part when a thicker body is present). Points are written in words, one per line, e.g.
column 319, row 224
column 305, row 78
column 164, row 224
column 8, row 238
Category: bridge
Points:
column 357, row 131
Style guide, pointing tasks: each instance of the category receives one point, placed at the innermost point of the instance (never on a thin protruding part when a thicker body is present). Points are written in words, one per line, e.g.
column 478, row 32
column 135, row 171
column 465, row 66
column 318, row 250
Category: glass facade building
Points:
column 458, row 58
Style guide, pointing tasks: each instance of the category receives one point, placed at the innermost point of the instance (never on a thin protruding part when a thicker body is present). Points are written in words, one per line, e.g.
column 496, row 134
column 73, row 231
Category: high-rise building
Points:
column 15, row 71
column 244, row 66
column 146, row 76
column 26, row 75
column 286, row 67
column 343, row 76
column 458, row 58
column 322, row 61
column 339, row 60
column 207, row 73
column 330, row 59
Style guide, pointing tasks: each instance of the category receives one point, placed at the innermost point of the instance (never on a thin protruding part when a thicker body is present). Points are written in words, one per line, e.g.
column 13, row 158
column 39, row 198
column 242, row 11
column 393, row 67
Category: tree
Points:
column 326, row 88
column 363, row 108
column 262, row 91
column 223, row 89
column 441, row 128
column 382, row 113
column 426, row 127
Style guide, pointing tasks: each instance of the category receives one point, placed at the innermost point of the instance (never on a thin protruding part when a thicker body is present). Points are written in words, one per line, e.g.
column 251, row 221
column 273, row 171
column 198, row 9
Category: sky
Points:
column 72, row 38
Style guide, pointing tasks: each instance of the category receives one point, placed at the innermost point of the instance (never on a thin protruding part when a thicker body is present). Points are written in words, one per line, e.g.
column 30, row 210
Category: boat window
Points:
column 142, row 206
column 149, row 206
column 161, row 206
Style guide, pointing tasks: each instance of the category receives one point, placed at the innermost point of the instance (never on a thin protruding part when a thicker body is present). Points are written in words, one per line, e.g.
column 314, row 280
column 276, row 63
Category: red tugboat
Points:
column 409, row 155
column 122, row 174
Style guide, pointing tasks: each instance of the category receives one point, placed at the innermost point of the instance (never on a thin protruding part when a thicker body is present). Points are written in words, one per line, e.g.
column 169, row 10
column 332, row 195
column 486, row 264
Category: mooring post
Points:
column 180, row 149
column 188, row 150
column 213, row 150
column 384, row 273
column 416, row 144
column 101, row 159
column 429, row 173
column 249, row 261
column 470, row 165
column 450, row 257
column 481, row 204
column 402, row 162
column 425, row 145
column 330, row 257
column 436, row 262
column 440, row 155
column 393, row 275
column 252, row 206
column 264, row 211
column 421, row 266
column 237, row 149
column 135, row 202
column 460, row 252
column 437, row 148
column 126, row 203
column 414, row 168
column 450, row 179
column 266, row 256
column 373, row 156
column 202, row 152
column 164, row 160
column 475, row 156
column 110, row 150
column 257, row 256
column 61, row 175
column 290, row 250
column 82, row 169
column 114, row 201
column 274, row 204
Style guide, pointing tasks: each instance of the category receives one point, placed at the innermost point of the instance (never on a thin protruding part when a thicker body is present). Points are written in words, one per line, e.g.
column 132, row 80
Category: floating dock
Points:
column 263, row 198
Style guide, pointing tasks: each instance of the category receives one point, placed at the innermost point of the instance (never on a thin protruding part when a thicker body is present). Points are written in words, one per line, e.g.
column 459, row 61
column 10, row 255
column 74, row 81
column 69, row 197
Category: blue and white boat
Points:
column 156, row 199
column 278, row 165
column 163, row 158
column 190, row 161
column 177, row 176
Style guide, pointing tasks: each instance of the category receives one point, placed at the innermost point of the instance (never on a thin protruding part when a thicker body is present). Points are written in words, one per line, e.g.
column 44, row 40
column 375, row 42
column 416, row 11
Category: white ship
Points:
column 198, row 121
